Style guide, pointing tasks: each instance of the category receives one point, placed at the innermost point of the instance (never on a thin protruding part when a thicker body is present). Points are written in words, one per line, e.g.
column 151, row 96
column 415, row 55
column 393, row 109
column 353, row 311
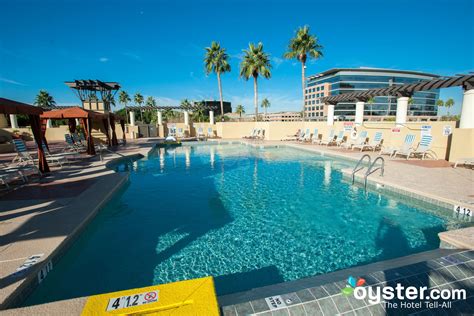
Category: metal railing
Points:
column 358, row 167
column 370, row 170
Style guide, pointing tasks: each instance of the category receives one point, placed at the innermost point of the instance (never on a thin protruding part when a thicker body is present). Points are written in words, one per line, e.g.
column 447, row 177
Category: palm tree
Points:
column 255, row 62
column 265, row 104
column 371, row 101
column 168, row 113
column 449, row 103
column 150, row 101
column 440, row 102
column 302, row 46
column 216, row 60
column 198, row 111
column 138, row 98
column 186, row 105
column 124, row 98
column 44, row 99
column 240, row 110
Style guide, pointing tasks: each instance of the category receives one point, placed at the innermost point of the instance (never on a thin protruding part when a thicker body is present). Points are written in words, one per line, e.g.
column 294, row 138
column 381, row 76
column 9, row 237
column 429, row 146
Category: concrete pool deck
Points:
column 43, row 217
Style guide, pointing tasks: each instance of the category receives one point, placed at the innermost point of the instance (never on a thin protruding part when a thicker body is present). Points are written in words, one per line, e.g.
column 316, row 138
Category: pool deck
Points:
column 45, row 216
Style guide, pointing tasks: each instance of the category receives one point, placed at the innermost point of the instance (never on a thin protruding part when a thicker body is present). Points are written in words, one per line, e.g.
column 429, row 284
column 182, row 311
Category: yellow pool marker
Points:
column 190, row 297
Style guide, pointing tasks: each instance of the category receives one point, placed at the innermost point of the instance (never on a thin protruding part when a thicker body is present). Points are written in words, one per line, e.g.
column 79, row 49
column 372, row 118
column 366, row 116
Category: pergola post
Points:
column 186, row 118
column 49, row 124
column 330, row 118
column 211, row 117
column 160, row 117
column 402, row 110
column 132, row 118
column 13, row 121
column 467, row 109
column 359, row 113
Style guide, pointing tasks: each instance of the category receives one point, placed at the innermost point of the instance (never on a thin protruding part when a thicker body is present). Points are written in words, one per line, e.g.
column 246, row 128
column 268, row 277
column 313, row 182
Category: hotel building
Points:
column 345, row 80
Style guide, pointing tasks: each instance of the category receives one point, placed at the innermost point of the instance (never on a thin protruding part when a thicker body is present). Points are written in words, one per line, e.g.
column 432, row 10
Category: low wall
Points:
column 462, row 144
column 392, row 137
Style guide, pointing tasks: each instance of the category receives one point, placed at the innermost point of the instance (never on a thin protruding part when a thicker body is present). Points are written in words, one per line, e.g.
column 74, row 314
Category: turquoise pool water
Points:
column 249, row 217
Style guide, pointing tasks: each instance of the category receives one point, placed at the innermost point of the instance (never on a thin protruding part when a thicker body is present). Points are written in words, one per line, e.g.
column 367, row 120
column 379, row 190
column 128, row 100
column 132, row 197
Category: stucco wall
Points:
column 462, row 145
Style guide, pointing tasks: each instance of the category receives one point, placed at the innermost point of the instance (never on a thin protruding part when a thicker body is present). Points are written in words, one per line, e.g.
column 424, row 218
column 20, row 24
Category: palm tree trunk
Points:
column 126, row 114
column 220, row 95
column 255, row 97
column 303, row 67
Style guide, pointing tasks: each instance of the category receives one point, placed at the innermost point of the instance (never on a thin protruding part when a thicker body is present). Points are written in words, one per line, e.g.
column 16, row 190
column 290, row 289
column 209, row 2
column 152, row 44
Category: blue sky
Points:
column 156, row 47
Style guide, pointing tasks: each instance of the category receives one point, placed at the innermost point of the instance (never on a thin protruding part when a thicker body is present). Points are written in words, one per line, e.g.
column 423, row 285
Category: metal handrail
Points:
column 370, row 170
column 356, row 169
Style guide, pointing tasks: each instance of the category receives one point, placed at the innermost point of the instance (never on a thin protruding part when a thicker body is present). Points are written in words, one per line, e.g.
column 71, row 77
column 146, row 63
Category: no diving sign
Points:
column 275, row 302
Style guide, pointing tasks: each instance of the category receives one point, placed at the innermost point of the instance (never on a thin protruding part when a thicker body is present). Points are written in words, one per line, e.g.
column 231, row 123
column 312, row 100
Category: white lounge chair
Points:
column 306, row 137
column 200, row 133
column 210, row 132
column 315, row 137
column 392, row 150
column 253, row 133
column 373, row 145
column 329, row 139
column 423, row 149
column 293, row 137
column 465, row 162
column 180, row 133
column 361, row 140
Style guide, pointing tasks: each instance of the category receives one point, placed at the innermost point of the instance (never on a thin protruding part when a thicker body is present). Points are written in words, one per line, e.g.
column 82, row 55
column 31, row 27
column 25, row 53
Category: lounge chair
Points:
column 59, row 158
column 200, row 133
column 465, row 162
column 260, row 134
column 306, row 136
column 296, row 136
column 339, row 139
column 210, row 132
column 7, row 176
column 23, row 157
column 71, row 145
column 423, row 149
column 373, row 145
column 172, row 132
column 329, row 139
column 361, row 140
column 392, row 150
column 315, row 136
column 253, row 133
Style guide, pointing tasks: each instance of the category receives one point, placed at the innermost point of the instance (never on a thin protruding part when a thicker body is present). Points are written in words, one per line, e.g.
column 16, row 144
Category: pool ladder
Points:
column 371, row 169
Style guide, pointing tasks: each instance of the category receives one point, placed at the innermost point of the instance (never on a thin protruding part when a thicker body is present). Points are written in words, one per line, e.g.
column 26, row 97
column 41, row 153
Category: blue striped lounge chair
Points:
column 407, row 145
column 315, row 136
column 329, row 139
column 22, row 154
column 373, row 144
column 423, row 149
column 306, row 137
column 361, row 139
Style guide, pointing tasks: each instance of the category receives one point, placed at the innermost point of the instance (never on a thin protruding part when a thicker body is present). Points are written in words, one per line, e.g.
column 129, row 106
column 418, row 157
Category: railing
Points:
column 370, row 170
column 358, row 167
column 102, row 148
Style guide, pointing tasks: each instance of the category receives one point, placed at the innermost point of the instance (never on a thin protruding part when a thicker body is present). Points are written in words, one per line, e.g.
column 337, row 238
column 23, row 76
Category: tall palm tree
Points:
column 124, row 98
column 439, row 102
column 302, row 46
column 240, row 110
column 255, row 62
column 449, row 103
column 44, row 99
column 265, row 104
column 138, row 98
column 216, row 60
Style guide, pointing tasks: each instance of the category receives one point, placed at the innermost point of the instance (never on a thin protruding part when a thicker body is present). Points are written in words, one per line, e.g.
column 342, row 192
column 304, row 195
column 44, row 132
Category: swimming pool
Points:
column 247, row 216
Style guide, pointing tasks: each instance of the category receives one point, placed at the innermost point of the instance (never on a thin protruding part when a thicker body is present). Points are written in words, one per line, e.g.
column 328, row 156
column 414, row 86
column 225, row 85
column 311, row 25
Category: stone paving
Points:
column 454, row 271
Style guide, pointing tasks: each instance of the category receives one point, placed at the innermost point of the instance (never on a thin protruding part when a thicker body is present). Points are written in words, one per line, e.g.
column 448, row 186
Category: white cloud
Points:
column 277, row 61
column 132, row 56
column 12, row 82
column 103, row 59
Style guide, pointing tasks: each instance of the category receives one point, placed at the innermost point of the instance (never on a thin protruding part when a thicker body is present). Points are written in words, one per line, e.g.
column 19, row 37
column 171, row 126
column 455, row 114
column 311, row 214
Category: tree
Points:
column 44, row 99
column 449, row 104
column 198, row 111
column 265, row 104
column 138, row 98
column 439, row 103
column 216, row 60
column 302, row 46
column 255, row 63
column 124, row 98
column 240, row 110
column 150, row 101
column 186, row 105
column 371, row 101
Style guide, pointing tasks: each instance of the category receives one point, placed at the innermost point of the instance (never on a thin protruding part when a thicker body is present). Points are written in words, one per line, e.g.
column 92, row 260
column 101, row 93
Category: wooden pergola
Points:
column 14, row 107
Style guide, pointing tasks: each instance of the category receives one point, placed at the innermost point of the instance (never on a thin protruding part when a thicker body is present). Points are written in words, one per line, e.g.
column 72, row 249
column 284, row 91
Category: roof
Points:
column 466, row 81
column 93, row 85
column 8, row 106
column 72, row 112
column 374, row 70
